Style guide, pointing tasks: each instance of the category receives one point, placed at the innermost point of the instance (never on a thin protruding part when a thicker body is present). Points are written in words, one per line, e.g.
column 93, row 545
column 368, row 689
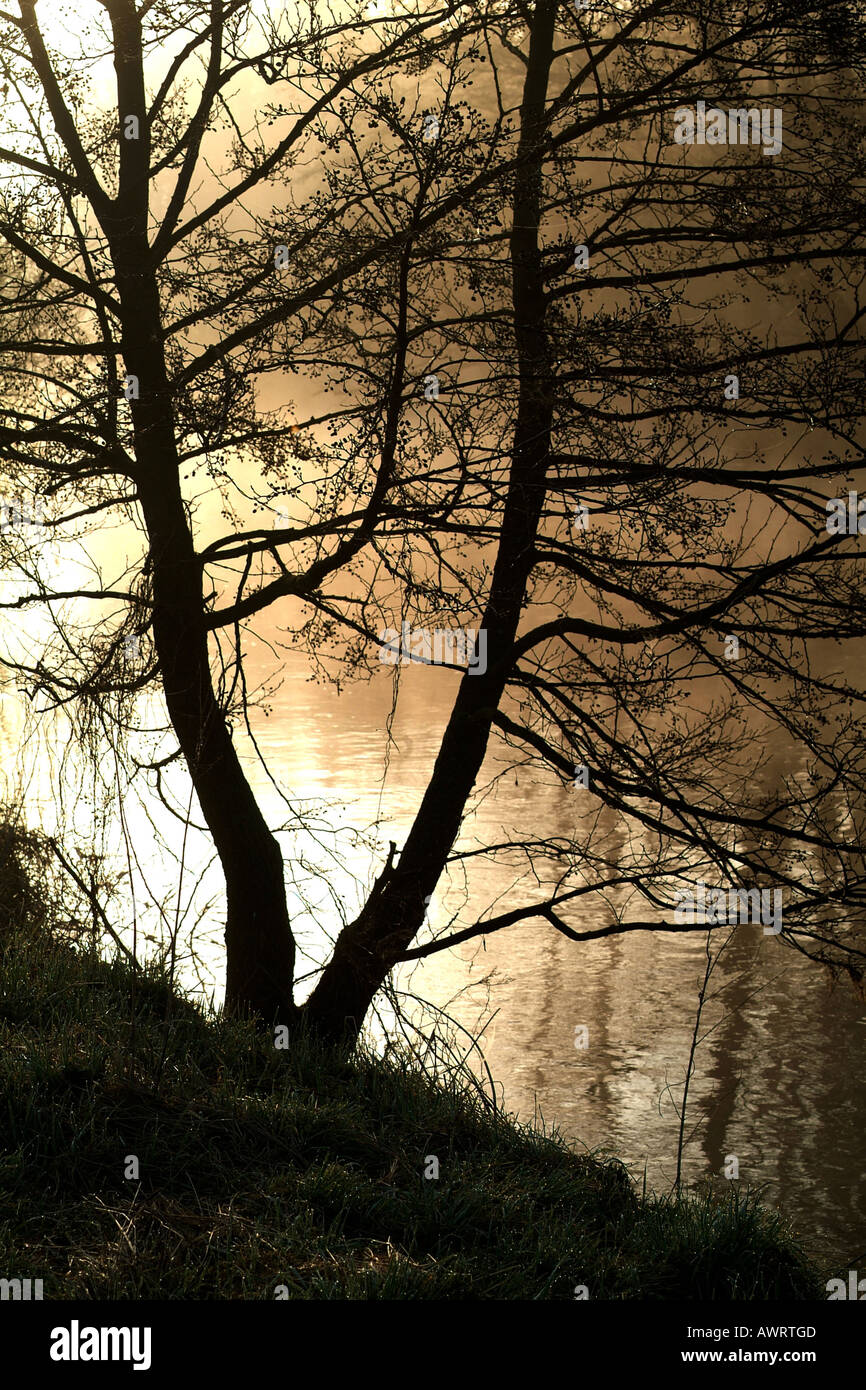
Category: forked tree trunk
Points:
column 260, row 947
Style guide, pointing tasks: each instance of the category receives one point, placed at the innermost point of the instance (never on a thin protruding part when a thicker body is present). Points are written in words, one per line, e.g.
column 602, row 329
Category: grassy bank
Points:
column 259, row 1168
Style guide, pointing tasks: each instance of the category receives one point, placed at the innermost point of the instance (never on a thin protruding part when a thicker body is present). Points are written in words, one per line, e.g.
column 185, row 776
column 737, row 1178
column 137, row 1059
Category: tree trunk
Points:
column 370, row 946
column 259, row 943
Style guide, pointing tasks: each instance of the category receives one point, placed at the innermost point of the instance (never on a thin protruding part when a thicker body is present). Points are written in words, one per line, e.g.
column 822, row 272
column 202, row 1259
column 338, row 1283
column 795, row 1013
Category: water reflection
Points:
column 777, row 1075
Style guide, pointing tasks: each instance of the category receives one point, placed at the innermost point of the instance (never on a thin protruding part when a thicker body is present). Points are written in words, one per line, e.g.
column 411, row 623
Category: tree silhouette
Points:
column 579, row 388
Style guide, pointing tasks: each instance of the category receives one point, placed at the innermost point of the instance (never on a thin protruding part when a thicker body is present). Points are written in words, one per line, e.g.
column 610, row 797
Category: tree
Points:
column 485, row 235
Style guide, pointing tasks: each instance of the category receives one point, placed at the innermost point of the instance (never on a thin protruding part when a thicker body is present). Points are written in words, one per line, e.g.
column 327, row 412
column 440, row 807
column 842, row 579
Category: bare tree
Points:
column 578, row 292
